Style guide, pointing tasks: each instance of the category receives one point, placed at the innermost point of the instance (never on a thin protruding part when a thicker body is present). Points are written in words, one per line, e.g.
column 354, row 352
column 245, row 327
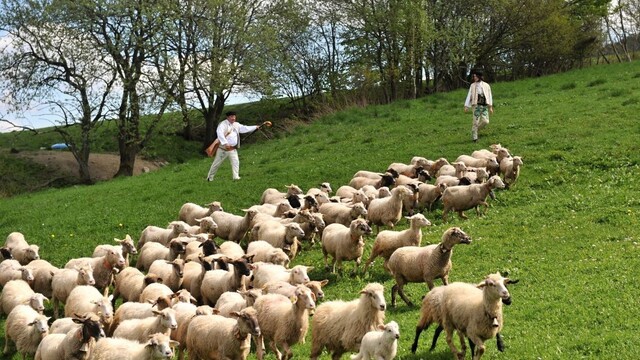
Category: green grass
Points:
column 568, row 230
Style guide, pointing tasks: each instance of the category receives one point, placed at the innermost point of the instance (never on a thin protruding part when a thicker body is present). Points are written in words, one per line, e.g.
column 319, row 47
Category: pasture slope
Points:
column 568, row 230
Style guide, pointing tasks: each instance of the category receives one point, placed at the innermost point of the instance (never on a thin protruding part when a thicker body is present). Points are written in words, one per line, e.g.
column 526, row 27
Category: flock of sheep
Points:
column 194, row 288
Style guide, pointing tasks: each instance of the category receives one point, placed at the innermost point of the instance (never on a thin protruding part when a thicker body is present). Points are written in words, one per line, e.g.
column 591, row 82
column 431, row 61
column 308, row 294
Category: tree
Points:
column 51, row 62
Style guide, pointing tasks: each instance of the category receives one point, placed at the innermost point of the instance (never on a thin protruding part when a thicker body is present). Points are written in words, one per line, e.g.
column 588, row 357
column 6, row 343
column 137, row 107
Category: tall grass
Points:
column 568, row 230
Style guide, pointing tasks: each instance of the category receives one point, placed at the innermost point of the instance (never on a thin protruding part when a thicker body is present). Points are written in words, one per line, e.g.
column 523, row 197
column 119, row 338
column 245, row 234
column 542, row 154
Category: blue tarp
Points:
column 59, row 146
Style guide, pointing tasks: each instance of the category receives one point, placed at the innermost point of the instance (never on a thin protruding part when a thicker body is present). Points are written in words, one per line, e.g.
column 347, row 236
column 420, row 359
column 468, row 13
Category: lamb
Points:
column 216, row 282
column 424, row 264
column 386, row 179
column 204, row 225
column 381, row 344
column 284, row 236
column 421, row 161
column 510, row 169
column 163, row 322
column 341, row 213
column 153, row 251
column 86, row 298
column 389, row 241
column 76, row 344
column 492, row 165
column 344, row 243
column 103, row 267
column 130, row 282
column 218, row 337
column 325, row 188
column 137, row 310
column 311, row 229
column 126, row 248
column 284, row 321
column 387, row 211
column 231, row 250
column 161, row 235
column 339, row 326
column 25, row 328
column 461, row 198
column 429, row 194
column 20, row 249
column 157, row 347
column 457, row 169
column 264, row 251
column 435, row 167
column 233, row 227
column 273, row 196
column 265, row 272
column 474, row 311
column 485, row 154
column 18, row 292
column 411, row 170
column 195, row 249
column 65, row 280
column 12, row 270
column 190, row 212
column 171, row 272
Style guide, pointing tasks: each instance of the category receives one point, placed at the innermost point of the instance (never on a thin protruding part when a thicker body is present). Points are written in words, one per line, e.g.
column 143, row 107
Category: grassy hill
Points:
column 568, row 230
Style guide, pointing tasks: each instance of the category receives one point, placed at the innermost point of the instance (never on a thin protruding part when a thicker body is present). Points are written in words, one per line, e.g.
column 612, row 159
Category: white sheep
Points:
column 231, row 250
column 171, row 272
column 157, row 347
column 103, row 267
column 342, row 213
column 231, row 301
column 386, row 179
column 20, row 249
column 284, row 236
column 461, row 198
column 25, row 328
column 126, row 248
column 510, row 170
column 162, row 235
column 264, row 251
column 65, row 280
column 233, row 227
column 344, row 243
column 350, row 194
column 219, row 337
column 387, row 211
column 421, row 161
column 274, row 196
column 492, row 165
column 265, row 272
column 12, row 270
column 389, row 241
column 163, row 322
column 428, row 195
column 325, row 188
column 284, row 321
column 153, row 251
column 380, row 344
column 205, row 225
column 130, row 282
column 18, row 292
column 190, row 212
column 339, row 326
column 474, row 311
column 286, row 289
column 485, row 154
column 152, row 292
column 410, row 170
column 137, row 310
column 75, row 344
column 86, row 298
column 184, row 313
column 42, row 271
column 411, row 264
column 216, row 282
column 435, row 167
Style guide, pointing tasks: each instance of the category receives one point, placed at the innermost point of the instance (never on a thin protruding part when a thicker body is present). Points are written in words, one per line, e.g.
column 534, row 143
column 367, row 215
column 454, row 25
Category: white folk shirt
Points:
column 475, row 89
column 228, row 133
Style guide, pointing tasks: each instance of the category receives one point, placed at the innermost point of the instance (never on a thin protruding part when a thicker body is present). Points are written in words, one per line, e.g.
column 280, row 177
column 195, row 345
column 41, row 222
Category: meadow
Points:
column 568, row 230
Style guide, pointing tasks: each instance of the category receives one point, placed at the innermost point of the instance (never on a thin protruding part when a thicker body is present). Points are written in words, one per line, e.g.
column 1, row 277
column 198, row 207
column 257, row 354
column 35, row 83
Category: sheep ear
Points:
column 482, row 284
column 118, row 240
column 156, row 312
column 293, row 299
column 324, row 282
column 509, row 281
column 235, row 314
column 381, row 327
column 309, row 268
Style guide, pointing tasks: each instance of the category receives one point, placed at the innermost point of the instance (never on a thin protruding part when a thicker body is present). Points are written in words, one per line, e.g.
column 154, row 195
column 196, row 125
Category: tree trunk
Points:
column 211, row 117
column 128, row 154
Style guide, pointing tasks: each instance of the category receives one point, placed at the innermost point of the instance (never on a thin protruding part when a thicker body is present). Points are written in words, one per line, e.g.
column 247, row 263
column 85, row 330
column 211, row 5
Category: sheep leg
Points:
column 55, row 307
column 462, row 215
column 371, row 258
column 436, row 334
column 463, row 344
column 500, row 342
column 444, row 214
column 274, row 348
column 422, row 325
column 288, row 354
column 403, row 296
column 324, row 254
column 259, row 342
column 452, row 346
column 394, row 290
column 479, row 347
column 355, row 269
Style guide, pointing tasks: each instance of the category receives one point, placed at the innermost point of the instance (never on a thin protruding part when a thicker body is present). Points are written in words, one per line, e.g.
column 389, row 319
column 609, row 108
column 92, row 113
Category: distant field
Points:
column 568, row 230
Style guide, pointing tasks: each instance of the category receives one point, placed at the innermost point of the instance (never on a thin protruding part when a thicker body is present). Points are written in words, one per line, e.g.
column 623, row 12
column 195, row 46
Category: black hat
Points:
column 229, row 113
column 477, row 72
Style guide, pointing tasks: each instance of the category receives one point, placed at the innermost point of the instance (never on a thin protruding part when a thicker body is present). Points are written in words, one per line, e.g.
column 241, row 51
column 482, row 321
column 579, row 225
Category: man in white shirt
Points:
column 228, row 133
column 480, row 101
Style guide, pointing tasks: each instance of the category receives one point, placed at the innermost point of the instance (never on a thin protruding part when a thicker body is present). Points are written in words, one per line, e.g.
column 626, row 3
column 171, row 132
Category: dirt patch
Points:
column 102, row 166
